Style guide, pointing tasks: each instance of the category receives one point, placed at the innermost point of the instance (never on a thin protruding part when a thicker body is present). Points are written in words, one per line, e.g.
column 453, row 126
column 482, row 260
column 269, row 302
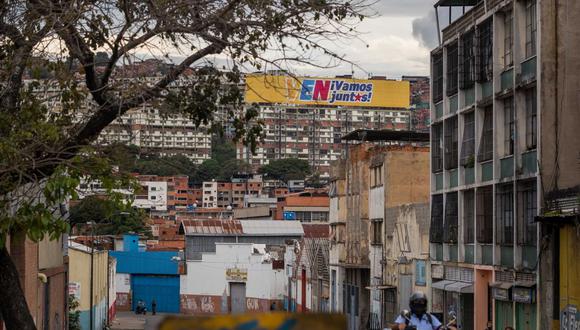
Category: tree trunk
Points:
column 13, row 304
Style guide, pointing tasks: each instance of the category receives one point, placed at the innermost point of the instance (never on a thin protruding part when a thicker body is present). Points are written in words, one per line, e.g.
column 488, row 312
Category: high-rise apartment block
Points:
column 306, row 117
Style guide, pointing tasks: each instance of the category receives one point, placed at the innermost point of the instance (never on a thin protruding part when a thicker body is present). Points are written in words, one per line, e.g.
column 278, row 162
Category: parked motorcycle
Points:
column 451, row 325
column 141, row 308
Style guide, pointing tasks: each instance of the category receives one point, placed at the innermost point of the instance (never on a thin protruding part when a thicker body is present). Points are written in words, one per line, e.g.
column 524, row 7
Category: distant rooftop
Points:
column 242, row 227
column 386, row 135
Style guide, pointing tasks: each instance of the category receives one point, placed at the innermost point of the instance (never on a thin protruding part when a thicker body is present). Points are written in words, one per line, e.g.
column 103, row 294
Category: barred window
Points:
column 508, row 40
column 450, row 222
column 467, row 58
column 531, row 28
column 485, row 51
column 377, row 225
column 531, row 118
column 527, row 210
column 438, row 77
column 451, row 143
column 486, row 143
column 505, row 215
column 468, row 217
column 468, row 144
column 436, row 149
column 452, row 69
column 509, row 126
column 485, row 215
column 436, row 229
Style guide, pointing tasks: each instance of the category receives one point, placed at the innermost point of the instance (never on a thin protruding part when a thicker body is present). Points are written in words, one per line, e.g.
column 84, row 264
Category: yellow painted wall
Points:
column 79, row 272
column 569, row 267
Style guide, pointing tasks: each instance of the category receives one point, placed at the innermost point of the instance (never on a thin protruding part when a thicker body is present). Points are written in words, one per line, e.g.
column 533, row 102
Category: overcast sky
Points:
column 399, row 39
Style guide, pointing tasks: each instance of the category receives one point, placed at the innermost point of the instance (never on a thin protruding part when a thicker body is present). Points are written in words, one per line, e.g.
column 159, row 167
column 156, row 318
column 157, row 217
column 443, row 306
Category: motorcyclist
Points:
column 418, row 318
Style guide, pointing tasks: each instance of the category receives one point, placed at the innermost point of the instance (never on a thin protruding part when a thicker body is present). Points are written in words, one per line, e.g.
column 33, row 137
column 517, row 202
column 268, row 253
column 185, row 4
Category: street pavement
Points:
column 132, row 321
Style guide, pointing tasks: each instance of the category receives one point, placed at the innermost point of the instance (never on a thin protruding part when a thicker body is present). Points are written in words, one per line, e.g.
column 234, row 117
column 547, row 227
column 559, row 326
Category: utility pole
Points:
column 91, row 316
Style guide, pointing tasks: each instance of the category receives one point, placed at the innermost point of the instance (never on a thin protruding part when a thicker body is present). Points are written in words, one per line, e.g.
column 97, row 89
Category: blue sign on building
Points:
column 289, row 215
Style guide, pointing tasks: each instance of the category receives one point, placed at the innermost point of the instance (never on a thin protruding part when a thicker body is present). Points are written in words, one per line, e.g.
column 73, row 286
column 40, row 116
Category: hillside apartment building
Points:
column 302, row 119
column 504, row 150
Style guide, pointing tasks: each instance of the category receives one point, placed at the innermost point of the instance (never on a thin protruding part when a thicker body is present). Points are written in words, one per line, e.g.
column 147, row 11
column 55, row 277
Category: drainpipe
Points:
column 91, row 316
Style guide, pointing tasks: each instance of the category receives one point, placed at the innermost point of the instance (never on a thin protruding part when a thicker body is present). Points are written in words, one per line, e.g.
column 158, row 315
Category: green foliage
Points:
column 208, row 170
column 109, row 217
column 286, row 169
column 74, row 315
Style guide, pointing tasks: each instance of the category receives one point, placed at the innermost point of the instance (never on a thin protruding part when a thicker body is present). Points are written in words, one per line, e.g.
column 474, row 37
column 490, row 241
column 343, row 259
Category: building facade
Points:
column 379, row 251
column 486, row 86
column 153, row 132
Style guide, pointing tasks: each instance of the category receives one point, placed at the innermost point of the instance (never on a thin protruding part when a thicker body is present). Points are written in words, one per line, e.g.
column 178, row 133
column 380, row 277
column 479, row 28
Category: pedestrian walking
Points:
column 153, row 306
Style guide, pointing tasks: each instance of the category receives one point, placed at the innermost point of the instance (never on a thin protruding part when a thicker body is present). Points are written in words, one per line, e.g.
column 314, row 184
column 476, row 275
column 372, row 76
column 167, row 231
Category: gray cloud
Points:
column 410, row 8
column 425, row 30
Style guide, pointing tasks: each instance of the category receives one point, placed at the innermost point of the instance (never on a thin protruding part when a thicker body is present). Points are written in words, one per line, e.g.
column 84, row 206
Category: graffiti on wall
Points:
column 199, row 304
column 122, row 299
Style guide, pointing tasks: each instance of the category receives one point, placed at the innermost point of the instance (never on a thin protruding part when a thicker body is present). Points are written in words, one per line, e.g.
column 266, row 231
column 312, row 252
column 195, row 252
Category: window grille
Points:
column 468, row 217
column 436, row 149
column 436, row 229
column 467, row 58
column 485, row 215
column 486, row 144
column 468, row 144
column 505, row 215
column 531, row 118
column 531, row 28
column 377, row 225
column 485, row 51
column 451, row 143
column 503, row 276
column 437, row 77
column 452, row 69
column 452, row 273
column 508, row 57
column 527, row 210
column 450, row 232
column 509, row 126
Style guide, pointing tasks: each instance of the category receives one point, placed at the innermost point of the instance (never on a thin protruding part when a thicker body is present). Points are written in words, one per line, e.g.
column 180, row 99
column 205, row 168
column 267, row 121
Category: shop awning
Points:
column 501, row 285
column 460, row 287
column 525, row 284
column 441, row 284
column 453, row 286
column 380, row 287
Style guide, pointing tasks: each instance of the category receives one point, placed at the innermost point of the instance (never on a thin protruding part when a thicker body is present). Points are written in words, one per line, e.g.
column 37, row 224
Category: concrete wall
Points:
column 200, row 296
column 80, row 273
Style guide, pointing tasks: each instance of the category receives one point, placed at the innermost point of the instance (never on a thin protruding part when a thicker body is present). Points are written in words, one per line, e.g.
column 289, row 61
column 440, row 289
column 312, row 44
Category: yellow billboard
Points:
column 327, row 91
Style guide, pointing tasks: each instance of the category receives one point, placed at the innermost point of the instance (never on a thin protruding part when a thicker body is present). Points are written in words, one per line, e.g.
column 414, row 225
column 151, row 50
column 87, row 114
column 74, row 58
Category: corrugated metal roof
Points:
column 271, row 227
column 242, row 227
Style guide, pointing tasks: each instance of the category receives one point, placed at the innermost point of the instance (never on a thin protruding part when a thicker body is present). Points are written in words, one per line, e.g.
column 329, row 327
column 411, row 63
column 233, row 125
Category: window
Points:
column 527, row 210
column 485, row 215
column 486, row 143
column 377, row 226
column 436, row 229
column 436, row 150
column 452, row 69
column 420, row 273
column 152, row 197
column 467, row 56
column 468, row 217
column 508, row 39
column 153, row 188
column 531, row 118
column 451, row 143
column 531, row 28
column 509, row 126
column 451, row 218
column 468, row 144
column 485, row 51
column 377, row 176
column 437, row 77
column 505, row 215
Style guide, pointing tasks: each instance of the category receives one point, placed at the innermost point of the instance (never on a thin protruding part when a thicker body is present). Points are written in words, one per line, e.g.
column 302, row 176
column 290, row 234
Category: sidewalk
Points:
column 128, row 321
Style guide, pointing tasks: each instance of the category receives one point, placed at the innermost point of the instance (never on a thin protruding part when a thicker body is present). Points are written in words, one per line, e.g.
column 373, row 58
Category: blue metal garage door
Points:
column 164, row 289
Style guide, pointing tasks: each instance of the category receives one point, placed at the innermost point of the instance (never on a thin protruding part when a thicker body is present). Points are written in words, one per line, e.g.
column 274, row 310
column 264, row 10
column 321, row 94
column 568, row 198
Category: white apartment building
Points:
column 210, row 194
column 153, row 196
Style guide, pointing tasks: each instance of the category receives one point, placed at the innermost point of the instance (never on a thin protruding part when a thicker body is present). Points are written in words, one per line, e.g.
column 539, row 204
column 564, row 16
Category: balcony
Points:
column 469, row 175
column 506, row 167
column 507, row 256
column 487, row 171
column 438, row 110
column 507, row 80
column 528, row 74
column 529, row 162
column 453, row 103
